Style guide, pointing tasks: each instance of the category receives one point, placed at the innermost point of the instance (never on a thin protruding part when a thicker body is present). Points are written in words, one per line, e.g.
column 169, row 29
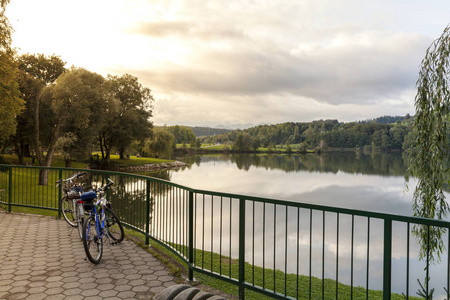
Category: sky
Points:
column 247, row 62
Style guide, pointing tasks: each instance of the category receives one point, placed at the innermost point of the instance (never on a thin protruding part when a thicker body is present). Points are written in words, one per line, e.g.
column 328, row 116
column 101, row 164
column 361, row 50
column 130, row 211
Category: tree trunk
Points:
column 26, row 150
column 100, row 139
column 107, row 145
column 43, row 175
column 36, row 134
column 68, row 163
column 20, row 156
column 108, row 156
column 121, row 153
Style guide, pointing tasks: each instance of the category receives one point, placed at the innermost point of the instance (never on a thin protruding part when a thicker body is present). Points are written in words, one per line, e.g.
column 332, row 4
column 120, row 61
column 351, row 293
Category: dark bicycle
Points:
column 102, row 222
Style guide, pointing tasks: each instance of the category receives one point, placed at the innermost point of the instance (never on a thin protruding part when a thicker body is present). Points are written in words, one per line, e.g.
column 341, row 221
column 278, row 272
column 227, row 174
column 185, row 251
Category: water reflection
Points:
column 376, row 183
column 278, row 238
column 384, row 164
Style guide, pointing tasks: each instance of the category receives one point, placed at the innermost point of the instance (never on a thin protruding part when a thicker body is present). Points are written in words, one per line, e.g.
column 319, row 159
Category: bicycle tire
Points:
column 68, row 211
column 115, row 227
column 80, row 227
column 93, row 246
column 80, row 221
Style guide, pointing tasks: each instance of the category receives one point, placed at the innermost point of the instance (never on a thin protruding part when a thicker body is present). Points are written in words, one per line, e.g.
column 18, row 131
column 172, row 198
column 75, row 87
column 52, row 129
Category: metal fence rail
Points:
column 276, row 248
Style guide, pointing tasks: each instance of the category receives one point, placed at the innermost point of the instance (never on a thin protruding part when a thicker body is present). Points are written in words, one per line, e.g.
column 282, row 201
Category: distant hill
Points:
column 386, row 119
column 205, row 131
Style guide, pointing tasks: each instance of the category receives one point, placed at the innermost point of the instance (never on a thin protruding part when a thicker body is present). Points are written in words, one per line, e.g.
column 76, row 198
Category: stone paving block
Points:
column 54, row 284
column 36, row 296
column 15, row 296
column 52, row 267
column 108, row 294
column 126, row 295
column 74, row 297
column 5, row 288
column 123, row 287
column 73, row 291
column 54, row 291
column 90, row 292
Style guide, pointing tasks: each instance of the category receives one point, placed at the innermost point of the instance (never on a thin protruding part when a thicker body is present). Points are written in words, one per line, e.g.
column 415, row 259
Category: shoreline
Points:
column 143, row 168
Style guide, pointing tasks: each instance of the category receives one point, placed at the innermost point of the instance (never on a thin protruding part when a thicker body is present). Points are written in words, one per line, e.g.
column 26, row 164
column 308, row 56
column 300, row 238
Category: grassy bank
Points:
column 296, row 286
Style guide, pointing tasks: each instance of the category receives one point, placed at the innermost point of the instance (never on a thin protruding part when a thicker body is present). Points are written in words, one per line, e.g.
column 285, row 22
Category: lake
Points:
column 343, row 179
column 365, row 182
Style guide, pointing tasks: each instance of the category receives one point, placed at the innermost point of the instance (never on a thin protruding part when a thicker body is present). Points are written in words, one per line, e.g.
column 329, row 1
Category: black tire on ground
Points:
column 115, row 228
column 93, row 246
column 68, row 211
column 185, row 292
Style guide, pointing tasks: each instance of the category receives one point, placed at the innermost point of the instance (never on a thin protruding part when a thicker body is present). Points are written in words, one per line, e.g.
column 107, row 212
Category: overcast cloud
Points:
column 241, row 62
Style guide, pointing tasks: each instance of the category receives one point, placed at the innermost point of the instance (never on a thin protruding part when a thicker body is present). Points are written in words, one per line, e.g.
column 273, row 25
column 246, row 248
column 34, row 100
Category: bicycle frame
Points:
column 99, row 218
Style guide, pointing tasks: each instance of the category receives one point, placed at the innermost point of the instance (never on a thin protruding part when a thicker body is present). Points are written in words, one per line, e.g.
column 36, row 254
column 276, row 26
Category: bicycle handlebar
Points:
column 104, row 188
column 70, row 178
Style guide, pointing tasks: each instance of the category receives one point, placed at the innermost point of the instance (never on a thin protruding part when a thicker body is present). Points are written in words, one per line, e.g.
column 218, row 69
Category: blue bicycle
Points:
column 102, row 222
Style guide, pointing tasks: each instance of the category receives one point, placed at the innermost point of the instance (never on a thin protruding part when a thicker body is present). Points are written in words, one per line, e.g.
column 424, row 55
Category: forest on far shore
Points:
column 387, row 133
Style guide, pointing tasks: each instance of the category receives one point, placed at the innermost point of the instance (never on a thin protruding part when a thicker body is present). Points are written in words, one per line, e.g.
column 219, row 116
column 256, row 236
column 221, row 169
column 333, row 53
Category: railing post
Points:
column 10, row 189
column 59, row 195
column 147, row 215
column 387, row 259
column 107, row 194
column 241, row 248
column 191, row 236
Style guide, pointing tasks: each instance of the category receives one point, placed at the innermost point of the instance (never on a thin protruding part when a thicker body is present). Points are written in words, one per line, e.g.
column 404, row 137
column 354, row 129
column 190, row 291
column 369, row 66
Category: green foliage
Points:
column 45, row 69
column 386, row 137
column 76, row 100
column 431, row 146
column 161, row 144
column 37, row 121
column 128, row 114
column 387, row 119
column 10, row 98
column 207, row 131
column 4, row 160
column 243, row 143
column 182, row 134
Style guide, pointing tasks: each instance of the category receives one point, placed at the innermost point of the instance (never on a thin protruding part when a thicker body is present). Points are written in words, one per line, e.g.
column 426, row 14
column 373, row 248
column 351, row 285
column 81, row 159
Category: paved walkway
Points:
column 43, row 258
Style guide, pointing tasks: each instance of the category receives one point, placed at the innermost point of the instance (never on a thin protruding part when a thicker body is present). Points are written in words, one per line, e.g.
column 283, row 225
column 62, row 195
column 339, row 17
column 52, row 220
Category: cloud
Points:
column 245, row 60
column 353, row 69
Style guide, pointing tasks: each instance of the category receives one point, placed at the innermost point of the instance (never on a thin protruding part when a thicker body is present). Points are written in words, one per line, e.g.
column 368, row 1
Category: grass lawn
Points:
column 258, row 276
column 57, row 162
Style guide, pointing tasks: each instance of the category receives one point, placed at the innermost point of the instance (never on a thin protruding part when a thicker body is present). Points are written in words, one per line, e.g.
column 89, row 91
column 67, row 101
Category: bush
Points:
column 4, row 161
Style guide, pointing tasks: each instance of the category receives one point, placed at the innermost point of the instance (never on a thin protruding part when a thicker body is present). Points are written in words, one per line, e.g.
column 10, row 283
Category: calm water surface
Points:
column 375, row 183
column 364, row 182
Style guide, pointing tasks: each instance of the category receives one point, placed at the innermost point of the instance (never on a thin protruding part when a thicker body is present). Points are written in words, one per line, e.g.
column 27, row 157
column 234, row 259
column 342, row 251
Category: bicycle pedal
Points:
column 113, row 243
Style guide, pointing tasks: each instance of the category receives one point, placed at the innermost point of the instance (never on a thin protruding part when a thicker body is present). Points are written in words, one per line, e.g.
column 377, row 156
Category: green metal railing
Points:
column 277, row 248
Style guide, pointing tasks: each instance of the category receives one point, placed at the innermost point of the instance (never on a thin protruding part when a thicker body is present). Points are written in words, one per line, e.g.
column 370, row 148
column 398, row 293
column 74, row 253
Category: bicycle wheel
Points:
column 93, row 245
column 68, row 211
column 80, row 219
column 115, row 228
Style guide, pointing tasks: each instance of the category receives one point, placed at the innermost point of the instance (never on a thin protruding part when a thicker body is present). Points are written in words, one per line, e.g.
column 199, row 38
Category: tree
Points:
column 182, row 134
column 243, row 143
column 10, row 99
column 256, row 143
column 35, row 72
column 430, row 152
column 161, row 144
column 75, row 102
column 128, row 116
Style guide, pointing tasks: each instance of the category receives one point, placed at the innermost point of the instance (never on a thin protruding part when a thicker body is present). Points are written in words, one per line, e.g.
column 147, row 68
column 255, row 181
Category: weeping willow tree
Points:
column 430, row 154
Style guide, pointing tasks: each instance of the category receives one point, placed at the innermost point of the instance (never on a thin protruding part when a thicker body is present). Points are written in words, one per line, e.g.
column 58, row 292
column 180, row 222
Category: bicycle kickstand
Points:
column 112, row 243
